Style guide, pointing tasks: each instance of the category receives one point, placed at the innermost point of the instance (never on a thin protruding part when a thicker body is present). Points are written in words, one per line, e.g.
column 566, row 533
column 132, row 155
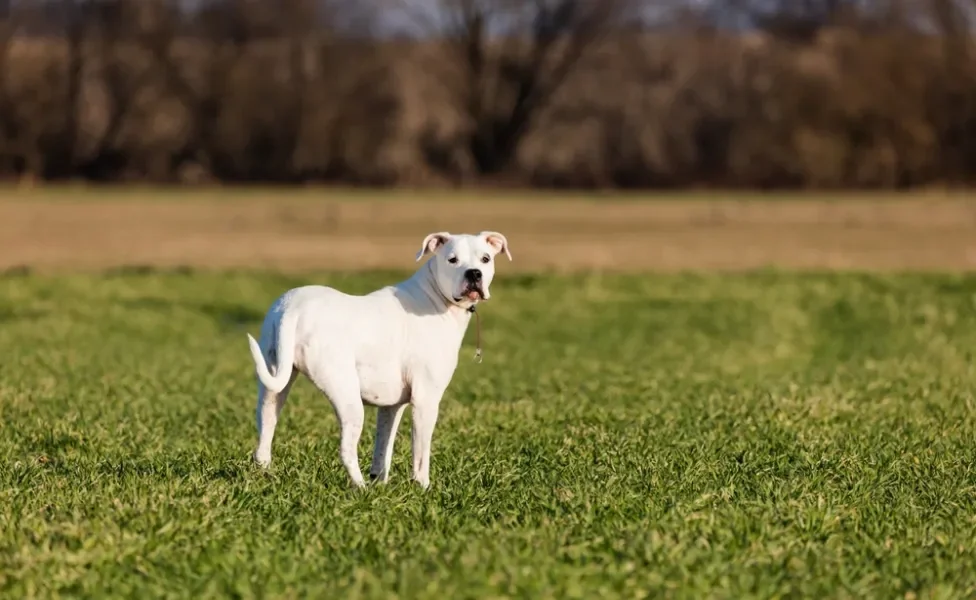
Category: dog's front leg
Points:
column 425, row 406
column 387, row 422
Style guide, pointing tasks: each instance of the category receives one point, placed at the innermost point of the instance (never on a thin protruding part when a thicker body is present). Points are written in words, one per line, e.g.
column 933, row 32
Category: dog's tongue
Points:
column 473, row 294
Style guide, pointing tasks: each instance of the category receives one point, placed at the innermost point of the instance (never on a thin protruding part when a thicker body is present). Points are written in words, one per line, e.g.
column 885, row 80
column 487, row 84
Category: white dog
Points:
column 395, row 346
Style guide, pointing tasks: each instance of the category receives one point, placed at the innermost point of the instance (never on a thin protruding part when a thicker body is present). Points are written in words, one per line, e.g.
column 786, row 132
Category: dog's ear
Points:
column 498, row 242
column 432, row 242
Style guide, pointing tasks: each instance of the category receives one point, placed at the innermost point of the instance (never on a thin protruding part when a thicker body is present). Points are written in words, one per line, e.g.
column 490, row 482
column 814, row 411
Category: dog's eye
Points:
column 453, row 260
column 485, row 259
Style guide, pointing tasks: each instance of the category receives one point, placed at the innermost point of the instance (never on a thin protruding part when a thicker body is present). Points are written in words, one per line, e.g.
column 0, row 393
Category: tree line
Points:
column 548, row 93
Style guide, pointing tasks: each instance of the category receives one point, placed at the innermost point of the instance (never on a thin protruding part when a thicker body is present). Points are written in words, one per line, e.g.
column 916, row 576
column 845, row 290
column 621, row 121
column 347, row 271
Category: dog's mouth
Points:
column 470, row 291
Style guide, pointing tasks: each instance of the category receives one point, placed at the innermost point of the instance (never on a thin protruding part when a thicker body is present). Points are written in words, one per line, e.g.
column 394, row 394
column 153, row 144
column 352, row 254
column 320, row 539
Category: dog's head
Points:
column 464, row 264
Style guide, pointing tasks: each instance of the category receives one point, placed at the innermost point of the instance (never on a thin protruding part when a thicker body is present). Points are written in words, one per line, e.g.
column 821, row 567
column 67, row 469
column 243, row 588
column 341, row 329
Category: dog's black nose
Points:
column 473, row 275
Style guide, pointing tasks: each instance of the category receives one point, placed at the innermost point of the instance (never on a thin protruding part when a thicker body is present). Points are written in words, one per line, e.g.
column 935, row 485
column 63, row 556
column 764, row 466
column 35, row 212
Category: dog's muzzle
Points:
column 471, row 289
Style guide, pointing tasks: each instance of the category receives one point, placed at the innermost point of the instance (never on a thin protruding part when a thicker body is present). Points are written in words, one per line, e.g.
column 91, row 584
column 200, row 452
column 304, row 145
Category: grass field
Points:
column 741, row 435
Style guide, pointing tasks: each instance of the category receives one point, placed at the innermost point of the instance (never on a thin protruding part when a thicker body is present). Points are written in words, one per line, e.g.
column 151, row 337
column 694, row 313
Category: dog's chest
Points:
column 394, row 360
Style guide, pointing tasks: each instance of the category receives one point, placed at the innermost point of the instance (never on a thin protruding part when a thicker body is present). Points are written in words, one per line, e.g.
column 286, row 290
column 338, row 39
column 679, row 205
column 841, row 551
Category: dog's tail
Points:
column 285, row 353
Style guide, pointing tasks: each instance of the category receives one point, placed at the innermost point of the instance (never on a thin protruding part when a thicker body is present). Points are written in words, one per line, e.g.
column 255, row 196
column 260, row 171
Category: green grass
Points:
column 734, row 436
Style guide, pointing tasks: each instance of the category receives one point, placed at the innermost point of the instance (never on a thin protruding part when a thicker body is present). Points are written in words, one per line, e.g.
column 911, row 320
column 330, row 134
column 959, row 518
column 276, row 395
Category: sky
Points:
column 718, row 13
column 402, row 15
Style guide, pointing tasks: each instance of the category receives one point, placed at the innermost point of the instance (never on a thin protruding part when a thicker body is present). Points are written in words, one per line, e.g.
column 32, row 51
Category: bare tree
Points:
column 42, row 138
column 114, row 26
column 952, row 103
column 505, row 60
column 9, row 131
column 16, row 154
column 255, row 80
column 195, row 58
column 62, row 156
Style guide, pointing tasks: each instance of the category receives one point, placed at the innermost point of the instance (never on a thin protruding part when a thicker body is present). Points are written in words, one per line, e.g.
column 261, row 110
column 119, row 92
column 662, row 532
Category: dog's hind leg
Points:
column 341, row 386
column 387, row 422
column 268, row 409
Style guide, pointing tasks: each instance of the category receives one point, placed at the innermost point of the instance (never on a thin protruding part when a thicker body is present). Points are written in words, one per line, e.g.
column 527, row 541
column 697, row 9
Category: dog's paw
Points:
column 262, row 461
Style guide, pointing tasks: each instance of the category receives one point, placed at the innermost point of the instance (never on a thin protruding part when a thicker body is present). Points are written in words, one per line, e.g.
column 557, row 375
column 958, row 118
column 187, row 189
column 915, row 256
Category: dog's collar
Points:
column 457, row 303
